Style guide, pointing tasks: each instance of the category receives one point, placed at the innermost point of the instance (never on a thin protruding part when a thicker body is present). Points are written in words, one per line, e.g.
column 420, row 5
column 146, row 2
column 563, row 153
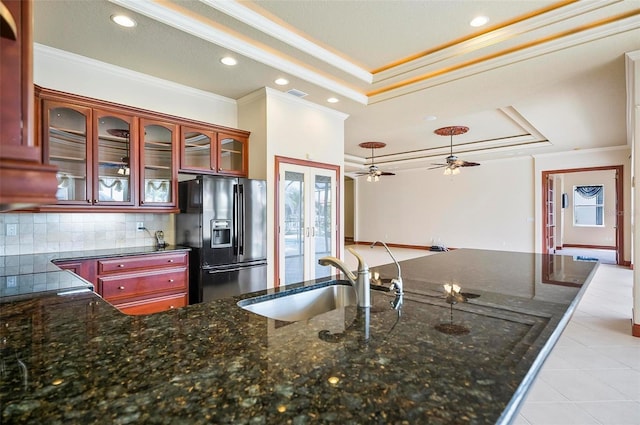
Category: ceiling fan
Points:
column 453, row 163
column 374, row 173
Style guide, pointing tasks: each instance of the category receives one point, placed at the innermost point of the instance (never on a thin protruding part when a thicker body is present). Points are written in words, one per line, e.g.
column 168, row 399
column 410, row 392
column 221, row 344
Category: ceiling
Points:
column 540, row 77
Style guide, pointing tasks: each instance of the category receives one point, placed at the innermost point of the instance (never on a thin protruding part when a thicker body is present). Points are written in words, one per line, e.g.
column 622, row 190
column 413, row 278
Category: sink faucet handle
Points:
column 362, row 265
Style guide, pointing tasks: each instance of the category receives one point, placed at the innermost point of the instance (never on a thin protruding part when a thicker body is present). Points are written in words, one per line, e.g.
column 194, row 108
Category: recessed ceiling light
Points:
column 430, row 118
column 228, row 60
column 333, row 100
column 479, row 21
column 124, row 21
column 282, row 81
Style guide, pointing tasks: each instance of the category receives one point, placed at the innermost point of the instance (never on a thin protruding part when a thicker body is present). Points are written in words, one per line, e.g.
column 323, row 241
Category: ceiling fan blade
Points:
column 469, row 164
column 387, row 173
column 437, row 166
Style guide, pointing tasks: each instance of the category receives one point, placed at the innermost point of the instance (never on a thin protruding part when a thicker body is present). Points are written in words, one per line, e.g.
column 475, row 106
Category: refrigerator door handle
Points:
column 234, row 269
column 236, row 219
column 242, row 220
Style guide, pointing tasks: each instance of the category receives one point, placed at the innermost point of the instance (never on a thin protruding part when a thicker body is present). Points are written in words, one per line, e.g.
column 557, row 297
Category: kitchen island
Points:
column 83, row 361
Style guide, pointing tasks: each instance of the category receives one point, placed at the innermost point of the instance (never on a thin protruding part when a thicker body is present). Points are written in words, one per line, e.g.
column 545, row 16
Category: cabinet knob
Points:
column 170, row 280
column 120, row 287
column 121, row 265
column 171, row 261
column 171, row 307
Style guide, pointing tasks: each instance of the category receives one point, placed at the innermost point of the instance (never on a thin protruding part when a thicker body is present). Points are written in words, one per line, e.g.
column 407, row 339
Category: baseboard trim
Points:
column 395, row 245
column 575, row 245
column 399, row 245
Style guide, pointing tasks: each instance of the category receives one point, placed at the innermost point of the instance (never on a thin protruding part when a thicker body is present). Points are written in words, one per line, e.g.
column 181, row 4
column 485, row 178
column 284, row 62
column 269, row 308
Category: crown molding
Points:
column 244, row 14
column 162, row 12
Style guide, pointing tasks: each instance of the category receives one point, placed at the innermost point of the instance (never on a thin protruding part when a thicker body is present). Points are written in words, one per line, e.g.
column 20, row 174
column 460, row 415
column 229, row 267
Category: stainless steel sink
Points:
column 301, row 303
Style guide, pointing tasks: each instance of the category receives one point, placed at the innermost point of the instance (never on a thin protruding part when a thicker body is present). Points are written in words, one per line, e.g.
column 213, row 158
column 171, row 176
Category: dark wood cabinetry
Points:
column 24, row 179
column 116, row 158
column 232, row 154
column 144, row 284
column 137, row 284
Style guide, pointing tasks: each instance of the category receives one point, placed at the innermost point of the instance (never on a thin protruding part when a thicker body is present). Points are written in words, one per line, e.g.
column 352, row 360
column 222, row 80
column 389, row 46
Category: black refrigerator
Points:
column 224, row 221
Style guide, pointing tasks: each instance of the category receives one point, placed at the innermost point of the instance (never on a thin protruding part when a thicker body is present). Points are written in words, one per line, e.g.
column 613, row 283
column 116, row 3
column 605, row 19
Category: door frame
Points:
column 276, row 223
column 619, row 169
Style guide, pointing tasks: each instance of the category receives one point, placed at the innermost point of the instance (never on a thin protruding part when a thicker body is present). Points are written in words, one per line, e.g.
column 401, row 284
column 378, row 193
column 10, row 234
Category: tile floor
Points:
column 592, row 376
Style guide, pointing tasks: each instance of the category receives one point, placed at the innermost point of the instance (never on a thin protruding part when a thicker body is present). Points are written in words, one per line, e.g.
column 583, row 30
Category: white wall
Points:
column 595, row 236
column 490, row 206
column 284, row 125
column 59, row 70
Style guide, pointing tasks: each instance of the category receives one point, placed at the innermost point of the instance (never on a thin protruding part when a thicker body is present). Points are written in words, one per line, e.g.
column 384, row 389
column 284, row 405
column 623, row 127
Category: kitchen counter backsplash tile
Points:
column 59, row 232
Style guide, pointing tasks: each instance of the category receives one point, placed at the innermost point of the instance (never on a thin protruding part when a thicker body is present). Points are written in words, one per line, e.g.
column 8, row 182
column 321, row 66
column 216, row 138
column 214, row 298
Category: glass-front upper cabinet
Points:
column 232, row 156
column 158, row 158
column 67, row 129
column 115, row 158
column 198, row 150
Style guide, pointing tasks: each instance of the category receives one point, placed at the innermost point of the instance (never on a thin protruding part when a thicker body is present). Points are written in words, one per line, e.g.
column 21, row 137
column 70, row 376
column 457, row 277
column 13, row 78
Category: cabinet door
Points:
column 158, row 154
column 67, row 141
column 115, row 158
column 198, row 150
column 232, row 154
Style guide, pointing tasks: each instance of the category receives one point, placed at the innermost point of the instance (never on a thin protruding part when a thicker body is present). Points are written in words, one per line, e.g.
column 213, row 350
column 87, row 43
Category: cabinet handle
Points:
column 121, row 265
column 170, row 280
column 171, row 261
column 121, row 287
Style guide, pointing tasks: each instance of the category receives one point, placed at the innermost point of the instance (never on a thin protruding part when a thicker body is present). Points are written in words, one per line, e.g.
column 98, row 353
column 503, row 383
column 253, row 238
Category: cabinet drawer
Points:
column 154, row 305
column 132, row 285
column 114, row 265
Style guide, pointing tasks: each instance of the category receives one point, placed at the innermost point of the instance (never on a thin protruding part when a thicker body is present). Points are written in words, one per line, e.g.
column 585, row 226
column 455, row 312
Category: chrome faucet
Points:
column 360, row 282
column 396, row 284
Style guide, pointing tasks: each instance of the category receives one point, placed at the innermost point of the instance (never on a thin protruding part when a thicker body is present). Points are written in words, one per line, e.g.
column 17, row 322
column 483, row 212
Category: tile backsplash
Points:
column 58, row 232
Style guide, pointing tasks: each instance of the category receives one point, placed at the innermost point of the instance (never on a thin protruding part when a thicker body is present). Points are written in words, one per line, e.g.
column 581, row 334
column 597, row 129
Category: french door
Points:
column 307, row 214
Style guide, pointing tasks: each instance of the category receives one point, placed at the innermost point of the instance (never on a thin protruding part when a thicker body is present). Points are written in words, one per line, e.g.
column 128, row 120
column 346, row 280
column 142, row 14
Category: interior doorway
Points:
column 558, row 198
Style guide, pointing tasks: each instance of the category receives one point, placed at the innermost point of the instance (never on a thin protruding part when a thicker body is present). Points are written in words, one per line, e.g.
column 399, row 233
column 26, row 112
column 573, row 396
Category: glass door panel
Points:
column 231, row 155
column 157, row 160
column 307, row 215
column 294, row 227
column 323, row 223
column 197, row 153
column 114, row 159
column 67, row 134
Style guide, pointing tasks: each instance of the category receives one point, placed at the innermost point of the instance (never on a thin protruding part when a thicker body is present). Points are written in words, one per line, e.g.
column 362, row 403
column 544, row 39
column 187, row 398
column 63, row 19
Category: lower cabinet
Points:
column 138, row 284
column 145, row 284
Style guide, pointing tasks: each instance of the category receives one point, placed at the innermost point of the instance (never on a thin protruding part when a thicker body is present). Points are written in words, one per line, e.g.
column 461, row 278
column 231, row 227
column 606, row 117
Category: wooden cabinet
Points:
column 197, row 150
column 209, row 152
column 144, row 284
column 114, row 158
column 24, row 179
column 158, row 163
column 94, row 151
column 232, row 154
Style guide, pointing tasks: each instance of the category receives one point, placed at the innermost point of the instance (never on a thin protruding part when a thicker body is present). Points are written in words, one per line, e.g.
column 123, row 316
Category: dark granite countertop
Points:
column 73, row 358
